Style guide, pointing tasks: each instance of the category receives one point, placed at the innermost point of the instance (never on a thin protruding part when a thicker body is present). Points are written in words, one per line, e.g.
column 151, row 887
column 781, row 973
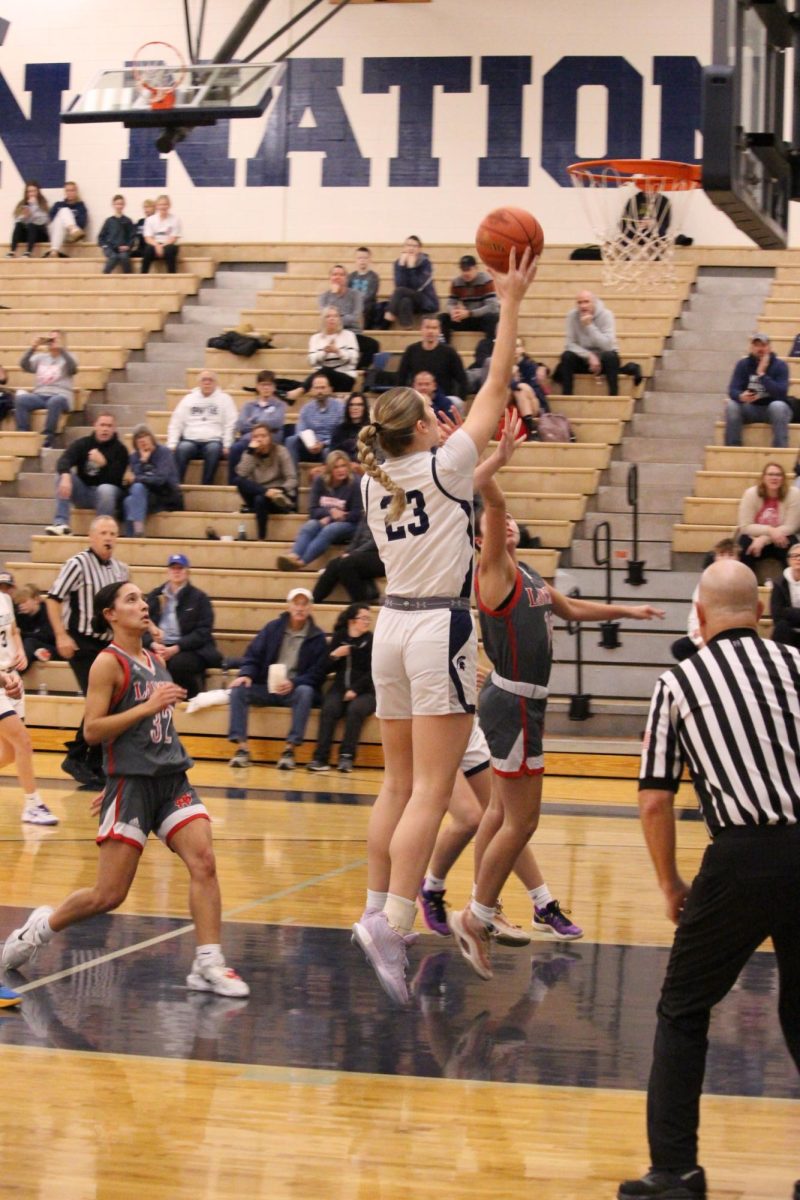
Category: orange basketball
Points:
column 504, row 228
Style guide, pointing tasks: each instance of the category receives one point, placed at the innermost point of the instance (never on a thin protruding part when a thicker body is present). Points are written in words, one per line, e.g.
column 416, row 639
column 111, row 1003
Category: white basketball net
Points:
column 635, row 219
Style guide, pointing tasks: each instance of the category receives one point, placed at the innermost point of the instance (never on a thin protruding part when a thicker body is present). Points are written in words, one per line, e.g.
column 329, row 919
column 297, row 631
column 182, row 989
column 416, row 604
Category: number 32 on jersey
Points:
column 419, row 522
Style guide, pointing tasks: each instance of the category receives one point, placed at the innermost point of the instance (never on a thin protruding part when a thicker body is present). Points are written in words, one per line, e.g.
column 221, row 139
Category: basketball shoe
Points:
column 434, row 911
column 386, row 950
column 552, row 921
column 212, row 975
column 474, row 940
column 668, row 1185
column 505, row 932
column 22, row 944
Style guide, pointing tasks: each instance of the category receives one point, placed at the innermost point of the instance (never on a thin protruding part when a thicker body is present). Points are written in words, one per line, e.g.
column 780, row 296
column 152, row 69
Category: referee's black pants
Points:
column 79, row 749
column 746, row 890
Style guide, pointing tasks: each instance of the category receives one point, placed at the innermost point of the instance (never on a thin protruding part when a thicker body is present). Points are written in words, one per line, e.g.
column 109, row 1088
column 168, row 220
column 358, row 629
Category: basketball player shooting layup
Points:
column 129, row 706
column 419, row 508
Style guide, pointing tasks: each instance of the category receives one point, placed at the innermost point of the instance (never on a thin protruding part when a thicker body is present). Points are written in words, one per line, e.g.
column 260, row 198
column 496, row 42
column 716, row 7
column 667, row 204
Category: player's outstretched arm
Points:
column 571, row 609
column 487, row 407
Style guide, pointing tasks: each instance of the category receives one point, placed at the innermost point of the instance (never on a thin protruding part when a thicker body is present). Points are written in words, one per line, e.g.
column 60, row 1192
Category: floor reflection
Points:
column 580, row 1015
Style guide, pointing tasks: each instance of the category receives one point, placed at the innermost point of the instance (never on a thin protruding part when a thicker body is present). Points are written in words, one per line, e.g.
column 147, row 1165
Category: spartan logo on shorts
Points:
column 461, row 662
column 185, row 800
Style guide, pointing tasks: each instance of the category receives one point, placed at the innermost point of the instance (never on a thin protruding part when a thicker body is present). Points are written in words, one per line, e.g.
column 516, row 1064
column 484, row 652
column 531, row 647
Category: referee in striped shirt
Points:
column 731, row 714
column 69, row 602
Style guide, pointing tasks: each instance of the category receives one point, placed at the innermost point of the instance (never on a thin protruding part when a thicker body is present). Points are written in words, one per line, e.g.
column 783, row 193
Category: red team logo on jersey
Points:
column 184, row 801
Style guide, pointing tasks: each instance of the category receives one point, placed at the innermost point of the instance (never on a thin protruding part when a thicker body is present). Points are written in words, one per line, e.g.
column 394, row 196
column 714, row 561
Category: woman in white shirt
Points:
column 333, row 352
column 419, row 507
column 161, row 233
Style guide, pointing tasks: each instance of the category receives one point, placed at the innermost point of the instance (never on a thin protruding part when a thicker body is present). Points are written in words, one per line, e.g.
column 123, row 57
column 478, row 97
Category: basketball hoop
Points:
column 636, row 207
column 158, row 70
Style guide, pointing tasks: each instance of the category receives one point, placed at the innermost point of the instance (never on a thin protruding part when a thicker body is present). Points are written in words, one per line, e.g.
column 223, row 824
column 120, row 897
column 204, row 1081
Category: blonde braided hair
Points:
column 391, row 428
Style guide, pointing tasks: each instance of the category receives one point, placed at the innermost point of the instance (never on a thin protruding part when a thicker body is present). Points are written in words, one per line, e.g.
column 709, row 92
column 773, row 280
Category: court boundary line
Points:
column 229, row 914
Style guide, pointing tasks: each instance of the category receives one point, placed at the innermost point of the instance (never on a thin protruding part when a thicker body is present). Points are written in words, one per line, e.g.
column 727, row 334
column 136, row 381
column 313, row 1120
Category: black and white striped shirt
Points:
column 731, row 713
column 77, row 584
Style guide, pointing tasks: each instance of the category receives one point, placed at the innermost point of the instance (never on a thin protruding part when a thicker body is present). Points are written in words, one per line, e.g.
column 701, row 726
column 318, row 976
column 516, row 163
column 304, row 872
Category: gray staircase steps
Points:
column 653, row 475
column 656, row 554
column 626, row 680
column 655, row 527
column 662, row 426
column 663, row 450
column 613, row 500
column 687, row 404
column 677, row 585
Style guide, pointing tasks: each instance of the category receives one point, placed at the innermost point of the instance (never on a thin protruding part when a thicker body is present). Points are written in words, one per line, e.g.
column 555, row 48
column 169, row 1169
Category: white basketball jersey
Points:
column 429, row 550
column 8, row 653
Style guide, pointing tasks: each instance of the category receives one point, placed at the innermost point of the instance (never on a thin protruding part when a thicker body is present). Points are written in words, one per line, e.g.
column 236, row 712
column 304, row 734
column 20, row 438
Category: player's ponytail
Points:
column 391, row 429
column 104, row 600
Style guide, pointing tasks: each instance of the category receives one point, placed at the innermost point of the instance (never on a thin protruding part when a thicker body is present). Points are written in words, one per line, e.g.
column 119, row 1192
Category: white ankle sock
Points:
column 481, row 912
column 208, row 952
column 434, row 884
column 376, row 899
column 400, row 913
column 541, row 896
column 32, row 799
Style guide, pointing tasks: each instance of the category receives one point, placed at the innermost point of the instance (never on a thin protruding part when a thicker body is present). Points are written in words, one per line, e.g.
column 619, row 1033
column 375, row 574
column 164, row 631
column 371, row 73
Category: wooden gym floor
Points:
column 119, row 1083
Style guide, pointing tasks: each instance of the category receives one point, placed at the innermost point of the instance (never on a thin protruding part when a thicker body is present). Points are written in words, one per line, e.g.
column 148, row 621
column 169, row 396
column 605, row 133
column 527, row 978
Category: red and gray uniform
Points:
column 518, row 640
column 147, row 789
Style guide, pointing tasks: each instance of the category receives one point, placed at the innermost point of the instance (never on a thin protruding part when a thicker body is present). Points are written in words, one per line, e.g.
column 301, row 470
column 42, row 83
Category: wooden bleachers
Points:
column 548, row 485
column 711, row 513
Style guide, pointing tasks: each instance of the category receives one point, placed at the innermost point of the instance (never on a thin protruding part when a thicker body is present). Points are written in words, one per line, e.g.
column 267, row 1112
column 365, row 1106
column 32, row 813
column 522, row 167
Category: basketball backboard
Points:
column 198, row 95
column 748, row 165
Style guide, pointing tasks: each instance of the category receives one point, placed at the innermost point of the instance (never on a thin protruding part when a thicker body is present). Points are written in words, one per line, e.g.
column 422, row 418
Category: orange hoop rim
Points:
column 648, row 174
column 179, row 67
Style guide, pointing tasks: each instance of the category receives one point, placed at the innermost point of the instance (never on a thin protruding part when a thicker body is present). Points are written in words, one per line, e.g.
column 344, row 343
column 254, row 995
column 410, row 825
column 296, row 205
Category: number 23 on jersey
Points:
column 419, row 522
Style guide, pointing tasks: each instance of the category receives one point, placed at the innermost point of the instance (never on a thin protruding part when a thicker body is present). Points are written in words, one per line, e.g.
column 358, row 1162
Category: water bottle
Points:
column 241, row 536
column 42, row 688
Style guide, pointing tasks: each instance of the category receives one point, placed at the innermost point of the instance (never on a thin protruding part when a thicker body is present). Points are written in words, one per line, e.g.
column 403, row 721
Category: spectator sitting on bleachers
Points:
column 266, row 478
column 7, row 395
column 161, row 233
column 68, row 221
column 414, row 291
column 148, row 209
column 318, row 418
column 424, row 383
column 333, row 352
column 335, row 509
column 347, row 301
column 152, row 479
column 38, row 639
column 693, row 641
column 345, row 435
column 91, row 473
column 116, row 238
column 30, row 220
column 267, row 409
column 472, row 306
column 182, row 627
column 352, row 693
column 52, row 366
column 591, row 344
column 366, row 282
column 785, row 602
column 355, row 570
column 201, row 426
column 757, row 394
column 430, row 354
column 296, row 646
column 769, row 518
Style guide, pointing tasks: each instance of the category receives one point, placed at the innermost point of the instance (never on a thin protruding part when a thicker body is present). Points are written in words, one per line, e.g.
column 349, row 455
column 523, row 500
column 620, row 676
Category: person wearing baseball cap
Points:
column 472, row 306
column 283, row 666
column 758, row 393
column 6, row 581
column 182, row 627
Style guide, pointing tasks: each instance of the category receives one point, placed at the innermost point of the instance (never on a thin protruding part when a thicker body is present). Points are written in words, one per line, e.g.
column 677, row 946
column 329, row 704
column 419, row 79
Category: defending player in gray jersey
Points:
column 516, row 608
column 129, row 706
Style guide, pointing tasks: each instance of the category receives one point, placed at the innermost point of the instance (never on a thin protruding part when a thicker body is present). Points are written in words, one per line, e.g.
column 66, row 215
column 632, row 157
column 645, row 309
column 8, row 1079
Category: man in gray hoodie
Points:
column 591, row 344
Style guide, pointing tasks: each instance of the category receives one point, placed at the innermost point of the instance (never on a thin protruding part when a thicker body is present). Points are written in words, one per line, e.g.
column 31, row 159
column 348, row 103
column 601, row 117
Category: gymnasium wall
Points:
column 396, row 118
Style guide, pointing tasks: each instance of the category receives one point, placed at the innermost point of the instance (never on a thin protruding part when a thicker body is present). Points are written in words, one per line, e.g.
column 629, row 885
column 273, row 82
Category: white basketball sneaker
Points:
column 21, row 944
column 212, row 975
